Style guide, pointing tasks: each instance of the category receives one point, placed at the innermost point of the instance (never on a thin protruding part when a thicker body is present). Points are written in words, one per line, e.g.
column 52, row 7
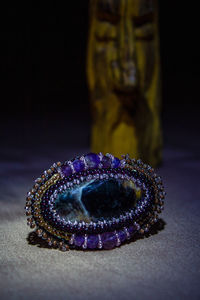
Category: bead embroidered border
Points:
column 106, row 234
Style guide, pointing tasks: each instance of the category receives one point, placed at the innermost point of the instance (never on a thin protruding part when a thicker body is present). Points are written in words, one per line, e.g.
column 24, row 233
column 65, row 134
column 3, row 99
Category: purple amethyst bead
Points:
column 131, row 230
column 106, row 162
column 78, row 165
column 122, row 235
column 66, row 170
column 79, row 240
column 92, row 241
column 115, row 162
column 92, row 160
column 109, row 240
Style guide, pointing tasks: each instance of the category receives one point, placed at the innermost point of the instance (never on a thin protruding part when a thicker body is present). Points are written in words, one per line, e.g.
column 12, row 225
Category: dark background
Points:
column 43, row 62
column 43, row 56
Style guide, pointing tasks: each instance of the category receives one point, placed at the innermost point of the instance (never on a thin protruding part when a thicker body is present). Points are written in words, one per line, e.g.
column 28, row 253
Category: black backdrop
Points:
column 43, row 56
column 43, row 53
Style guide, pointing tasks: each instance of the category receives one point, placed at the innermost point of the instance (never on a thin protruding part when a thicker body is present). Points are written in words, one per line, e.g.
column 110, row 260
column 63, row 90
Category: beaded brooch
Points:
column 94, row 201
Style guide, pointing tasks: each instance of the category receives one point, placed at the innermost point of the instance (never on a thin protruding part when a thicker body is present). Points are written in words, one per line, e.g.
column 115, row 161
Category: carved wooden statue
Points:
column 123, row 71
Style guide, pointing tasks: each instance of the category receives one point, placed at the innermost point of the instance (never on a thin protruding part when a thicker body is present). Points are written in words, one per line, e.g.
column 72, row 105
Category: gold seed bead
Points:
column 49, row 241
column 156, row 201
column 54, row 243
column 36, row 186
column 39, row 232
column 44, row 235
column 64, row 248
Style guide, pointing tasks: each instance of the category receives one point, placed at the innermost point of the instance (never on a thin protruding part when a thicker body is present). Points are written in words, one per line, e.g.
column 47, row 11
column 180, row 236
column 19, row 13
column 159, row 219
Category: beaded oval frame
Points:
column 107, row 234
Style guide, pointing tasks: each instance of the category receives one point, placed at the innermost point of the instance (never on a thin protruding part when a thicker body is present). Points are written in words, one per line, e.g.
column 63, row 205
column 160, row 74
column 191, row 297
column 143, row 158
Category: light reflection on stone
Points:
column 97, row 200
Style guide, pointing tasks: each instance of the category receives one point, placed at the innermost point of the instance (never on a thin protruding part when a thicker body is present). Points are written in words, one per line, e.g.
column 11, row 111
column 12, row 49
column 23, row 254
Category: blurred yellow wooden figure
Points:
column 123, row 71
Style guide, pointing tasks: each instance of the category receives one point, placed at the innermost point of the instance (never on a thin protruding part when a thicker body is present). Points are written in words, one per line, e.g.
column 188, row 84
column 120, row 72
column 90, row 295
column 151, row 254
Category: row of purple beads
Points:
column 89, row 161
column 106, row 240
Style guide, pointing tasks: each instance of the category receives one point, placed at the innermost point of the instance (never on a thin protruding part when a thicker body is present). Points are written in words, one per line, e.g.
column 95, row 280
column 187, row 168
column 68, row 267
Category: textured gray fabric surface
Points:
column 164, row 266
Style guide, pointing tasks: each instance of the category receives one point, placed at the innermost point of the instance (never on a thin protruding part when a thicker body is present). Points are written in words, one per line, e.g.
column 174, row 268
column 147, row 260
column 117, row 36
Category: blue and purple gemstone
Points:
column 92, row 160
column 78, row 165
column 106, row 162
column 132, row 230
column 109, row 240
column 79, row 240
column 122, row 235
column 92, row 241
column 66, row 170
column 116, row 162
